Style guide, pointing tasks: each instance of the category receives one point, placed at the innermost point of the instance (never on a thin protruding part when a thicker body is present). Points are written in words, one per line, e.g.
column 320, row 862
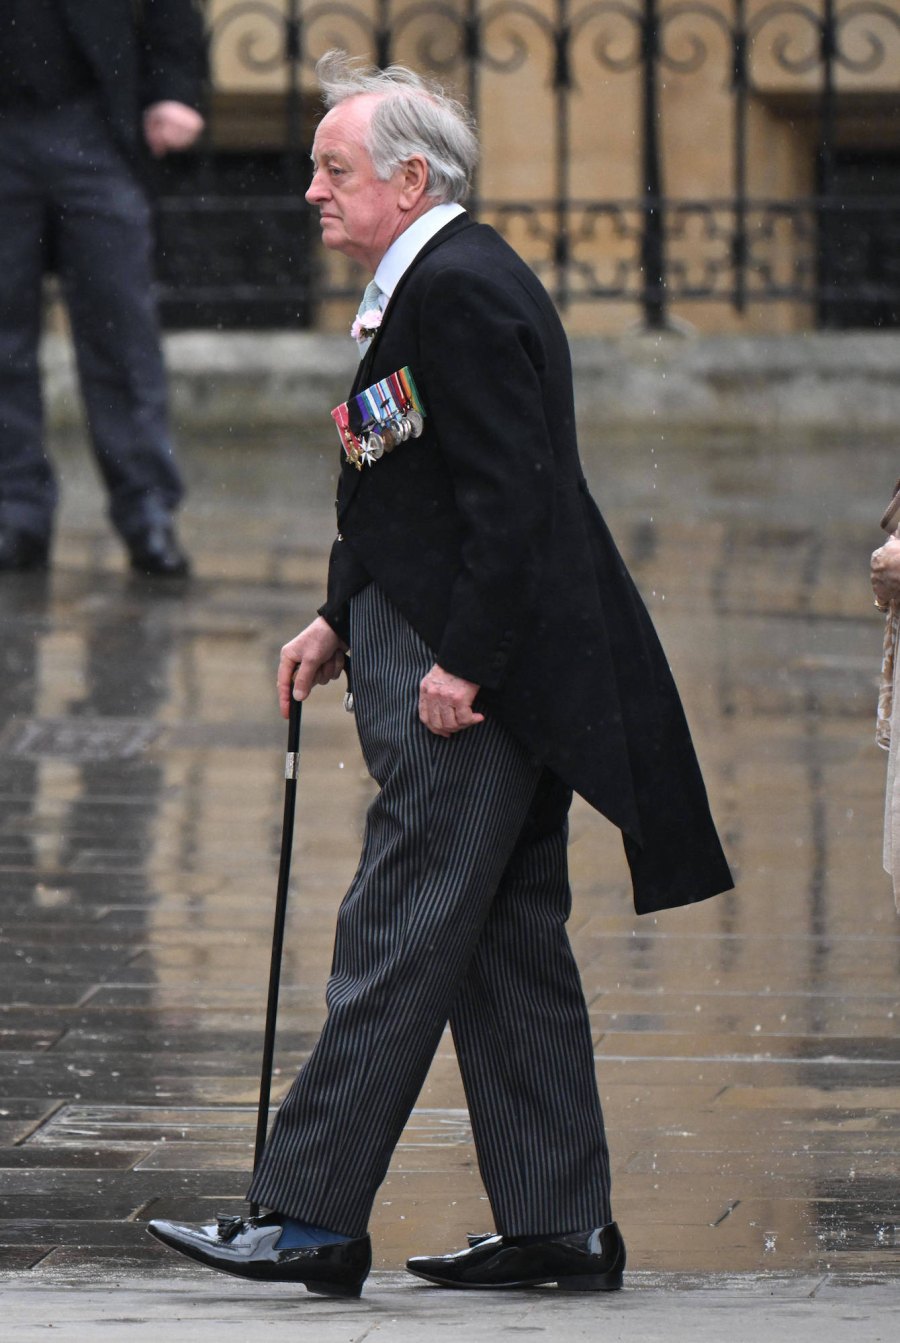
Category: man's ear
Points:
column 413, row 182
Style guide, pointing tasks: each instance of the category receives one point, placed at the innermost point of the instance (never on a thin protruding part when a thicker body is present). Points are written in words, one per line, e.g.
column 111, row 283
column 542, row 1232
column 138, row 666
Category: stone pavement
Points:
column 180, row 1309
column 746, row 1048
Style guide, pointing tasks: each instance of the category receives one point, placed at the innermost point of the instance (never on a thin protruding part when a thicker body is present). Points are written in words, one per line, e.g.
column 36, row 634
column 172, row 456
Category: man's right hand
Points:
column 314, row 657
column 171, row 126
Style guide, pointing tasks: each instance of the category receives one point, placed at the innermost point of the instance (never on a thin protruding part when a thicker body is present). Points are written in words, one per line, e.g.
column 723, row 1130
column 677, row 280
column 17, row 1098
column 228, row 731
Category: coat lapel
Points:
column 363, row 373
column 350, row 477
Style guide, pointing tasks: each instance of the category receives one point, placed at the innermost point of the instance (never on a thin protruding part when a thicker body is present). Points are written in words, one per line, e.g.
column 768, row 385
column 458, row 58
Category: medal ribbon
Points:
column 381, row 406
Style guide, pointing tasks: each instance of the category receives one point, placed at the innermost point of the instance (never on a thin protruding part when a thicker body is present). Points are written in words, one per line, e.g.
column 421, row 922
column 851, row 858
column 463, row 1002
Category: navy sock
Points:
column 295, row 1234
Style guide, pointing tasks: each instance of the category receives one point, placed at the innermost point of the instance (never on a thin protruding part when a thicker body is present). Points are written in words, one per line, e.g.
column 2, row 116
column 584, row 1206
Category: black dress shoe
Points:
column 246, row 1249
column 22, row 550
column 156, row 551
column 582, row 1261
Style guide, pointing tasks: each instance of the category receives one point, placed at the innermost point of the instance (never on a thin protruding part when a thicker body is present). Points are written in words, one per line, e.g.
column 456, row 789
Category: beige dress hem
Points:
column 887, row 735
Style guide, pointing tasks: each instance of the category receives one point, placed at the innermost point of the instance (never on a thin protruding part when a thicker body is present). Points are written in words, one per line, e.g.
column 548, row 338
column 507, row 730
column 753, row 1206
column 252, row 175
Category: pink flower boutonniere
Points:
column 366, row 324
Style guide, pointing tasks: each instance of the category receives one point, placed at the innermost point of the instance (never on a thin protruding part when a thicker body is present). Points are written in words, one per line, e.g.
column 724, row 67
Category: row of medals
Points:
column 383, row 437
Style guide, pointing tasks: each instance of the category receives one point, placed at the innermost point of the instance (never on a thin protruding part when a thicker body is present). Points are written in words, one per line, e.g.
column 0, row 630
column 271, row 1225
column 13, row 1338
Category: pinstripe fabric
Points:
column 457, row 910
column 523, row 1040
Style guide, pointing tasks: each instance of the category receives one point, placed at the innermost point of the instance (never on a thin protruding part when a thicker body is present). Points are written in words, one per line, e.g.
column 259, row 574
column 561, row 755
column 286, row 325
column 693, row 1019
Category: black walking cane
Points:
column 291, row 770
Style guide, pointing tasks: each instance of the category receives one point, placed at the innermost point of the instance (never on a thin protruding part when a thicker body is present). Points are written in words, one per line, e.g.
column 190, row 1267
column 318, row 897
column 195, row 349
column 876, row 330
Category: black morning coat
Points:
column 139, row 52
column 483, row 534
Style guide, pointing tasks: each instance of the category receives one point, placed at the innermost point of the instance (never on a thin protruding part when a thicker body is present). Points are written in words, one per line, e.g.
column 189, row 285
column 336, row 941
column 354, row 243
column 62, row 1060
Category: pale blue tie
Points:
column 370, row 300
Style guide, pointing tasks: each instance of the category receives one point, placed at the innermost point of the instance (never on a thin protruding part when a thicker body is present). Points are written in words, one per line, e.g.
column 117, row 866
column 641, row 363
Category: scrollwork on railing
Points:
column 694, row 272
column 506, row 35
column 648, row 246
column 805, row 36
column 250, row 25
column 443, row 47
column 795, row 52
column 846, row 30
column 671, row 33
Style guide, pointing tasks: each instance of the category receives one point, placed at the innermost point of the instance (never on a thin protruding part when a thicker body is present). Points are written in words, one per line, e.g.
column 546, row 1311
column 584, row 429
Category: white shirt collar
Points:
column 403, row 250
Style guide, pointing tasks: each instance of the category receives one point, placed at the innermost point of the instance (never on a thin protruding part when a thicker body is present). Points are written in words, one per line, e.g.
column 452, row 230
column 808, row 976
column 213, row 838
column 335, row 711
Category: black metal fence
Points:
column 828, row 70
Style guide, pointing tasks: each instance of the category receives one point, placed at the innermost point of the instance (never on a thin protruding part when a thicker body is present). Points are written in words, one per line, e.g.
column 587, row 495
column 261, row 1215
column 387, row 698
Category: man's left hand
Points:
column 445, row 703
column 170, row 126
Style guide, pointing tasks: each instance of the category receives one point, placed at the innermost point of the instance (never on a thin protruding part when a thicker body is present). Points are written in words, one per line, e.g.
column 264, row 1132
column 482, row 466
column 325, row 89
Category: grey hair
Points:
column 413, row 116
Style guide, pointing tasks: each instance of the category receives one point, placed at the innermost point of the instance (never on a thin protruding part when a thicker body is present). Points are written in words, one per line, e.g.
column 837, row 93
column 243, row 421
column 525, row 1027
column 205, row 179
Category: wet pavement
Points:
column 746, row 1048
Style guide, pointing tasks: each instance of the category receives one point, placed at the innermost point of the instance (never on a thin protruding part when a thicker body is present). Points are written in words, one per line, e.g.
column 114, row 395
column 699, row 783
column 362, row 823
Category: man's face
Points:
column 360, row 215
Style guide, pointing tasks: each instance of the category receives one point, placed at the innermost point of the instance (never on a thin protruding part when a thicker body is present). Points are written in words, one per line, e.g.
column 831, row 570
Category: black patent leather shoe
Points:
column 246, row 1249
column 156, row 551
column 21, row 551
column 582, row 1261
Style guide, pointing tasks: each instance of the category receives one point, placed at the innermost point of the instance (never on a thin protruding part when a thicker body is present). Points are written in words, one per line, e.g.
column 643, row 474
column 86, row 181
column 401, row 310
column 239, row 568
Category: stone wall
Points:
column 816, row 381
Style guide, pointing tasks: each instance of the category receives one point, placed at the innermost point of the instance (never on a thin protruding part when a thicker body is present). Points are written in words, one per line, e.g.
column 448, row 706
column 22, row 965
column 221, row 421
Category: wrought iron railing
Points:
column 824, row 63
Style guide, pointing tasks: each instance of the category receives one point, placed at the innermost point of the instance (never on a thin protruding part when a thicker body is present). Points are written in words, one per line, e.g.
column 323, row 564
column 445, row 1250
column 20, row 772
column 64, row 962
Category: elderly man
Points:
column 501, row 657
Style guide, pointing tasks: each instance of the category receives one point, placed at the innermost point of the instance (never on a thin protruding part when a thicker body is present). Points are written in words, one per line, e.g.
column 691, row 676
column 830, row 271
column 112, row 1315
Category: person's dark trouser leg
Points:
column 524, row 1044
column 27, row 486
column 438, row 838
column 105, row 256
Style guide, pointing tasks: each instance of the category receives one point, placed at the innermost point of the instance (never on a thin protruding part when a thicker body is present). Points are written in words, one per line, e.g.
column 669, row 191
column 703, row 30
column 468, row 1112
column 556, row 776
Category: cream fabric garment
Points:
column 887, row 735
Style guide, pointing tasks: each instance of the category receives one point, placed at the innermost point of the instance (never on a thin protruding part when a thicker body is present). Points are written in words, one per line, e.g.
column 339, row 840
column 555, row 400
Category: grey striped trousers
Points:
column 457, row 911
